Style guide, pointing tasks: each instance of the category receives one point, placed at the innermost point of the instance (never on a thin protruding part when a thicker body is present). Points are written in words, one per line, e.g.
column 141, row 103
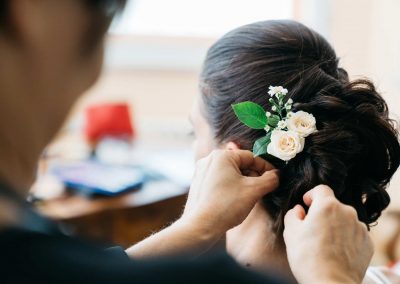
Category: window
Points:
column 175, row 34
column 197, row 18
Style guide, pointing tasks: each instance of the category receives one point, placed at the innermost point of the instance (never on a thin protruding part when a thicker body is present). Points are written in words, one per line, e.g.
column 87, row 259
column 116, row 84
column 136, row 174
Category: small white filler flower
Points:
column 276, row 90
column 282, row 124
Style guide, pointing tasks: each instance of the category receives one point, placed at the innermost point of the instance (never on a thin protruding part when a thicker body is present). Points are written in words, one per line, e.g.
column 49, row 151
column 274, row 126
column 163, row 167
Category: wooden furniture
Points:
column 124, row 219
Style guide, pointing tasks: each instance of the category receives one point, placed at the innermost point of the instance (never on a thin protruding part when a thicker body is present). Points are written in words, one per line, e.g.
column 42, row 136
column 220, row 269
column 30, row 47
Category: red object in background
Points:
column 108, row 120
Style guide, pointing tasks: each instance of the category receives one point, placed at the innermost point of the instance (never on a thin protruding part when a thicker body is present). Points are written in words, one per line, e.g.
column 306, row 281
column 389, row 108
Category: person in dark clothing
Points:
column 51, row 52
column 32, row 255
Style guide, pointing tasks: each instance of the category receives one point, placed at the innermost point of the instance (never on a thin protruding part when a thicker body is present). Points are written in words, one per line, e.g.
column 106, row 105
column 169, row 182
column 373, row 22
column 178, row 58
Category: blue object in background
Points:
column 92, row 177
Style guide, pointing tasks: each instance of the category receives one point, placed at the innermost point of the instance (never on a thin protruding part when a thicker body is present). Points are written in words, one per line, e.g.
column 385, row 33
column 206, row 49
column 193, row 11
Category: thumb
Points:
column 264, row 184
column 317, row 193
column 294, row 216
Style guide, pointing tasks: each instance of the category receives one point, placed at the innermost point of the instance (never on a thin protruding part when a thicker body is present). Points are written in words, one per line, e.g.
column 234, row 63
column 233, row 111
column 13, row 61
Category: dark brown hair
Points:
column 356, row 149
column 106, row 7
column 102, row 12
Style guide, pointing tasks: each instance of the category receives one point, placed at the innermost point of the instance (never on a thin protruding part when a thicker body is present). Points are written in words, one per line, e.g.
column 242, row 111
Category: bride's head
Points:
column 356, row 149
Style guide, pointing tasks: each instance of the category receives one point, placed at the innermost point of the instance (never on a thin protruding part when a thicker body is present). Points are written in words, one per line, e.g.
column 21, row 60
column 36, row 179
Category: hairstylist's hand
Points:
column 226, row 186
column 329, row 244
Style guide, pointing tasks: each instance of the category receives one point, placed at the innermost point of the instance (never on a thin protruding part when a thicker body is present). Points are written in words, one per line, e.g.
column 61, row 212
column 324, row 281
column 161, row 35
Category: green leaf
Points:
column 261, row 145
column 273, row 120
column 251, row 114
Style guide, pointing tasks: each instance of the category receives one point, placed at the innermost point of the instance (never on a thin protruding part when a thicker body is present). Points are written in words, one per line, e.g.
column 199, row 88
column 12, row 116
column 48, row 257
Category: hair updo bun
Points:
column 356, row 150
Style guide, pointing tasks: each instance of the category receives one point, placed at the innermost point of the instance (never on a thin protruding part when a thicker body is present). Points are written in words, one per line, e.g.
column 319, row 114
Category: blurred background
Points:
column 153, row 58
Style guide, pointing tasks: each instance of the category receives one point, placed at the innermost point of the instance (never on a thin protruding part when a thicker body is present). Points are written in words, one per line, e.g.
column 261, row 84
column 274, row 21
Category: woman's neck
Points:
column 254, row 243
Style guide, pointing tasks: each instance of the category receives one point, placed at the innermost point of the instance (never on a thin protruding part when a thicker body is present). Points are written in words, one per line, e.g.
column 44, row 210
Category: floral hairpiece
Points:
column 286, row 130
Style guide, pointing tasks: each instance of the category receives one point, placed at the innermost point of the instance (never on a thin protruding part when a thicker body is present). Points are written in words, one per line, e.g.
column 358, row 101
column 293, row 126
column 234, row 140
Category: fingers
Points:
column 294, row 216
column 250, row 173
column 245, row 160
column 318, row 192
column 264, row 184
column 299, row 212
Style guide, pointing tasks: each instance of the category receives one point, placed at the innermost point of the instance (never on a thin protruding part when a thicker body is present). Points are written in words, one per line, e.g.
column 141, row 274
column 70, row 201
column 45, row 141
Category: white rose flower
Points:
column 302, row 122
column 285, row 145
column 267, row 114
column 273, row 108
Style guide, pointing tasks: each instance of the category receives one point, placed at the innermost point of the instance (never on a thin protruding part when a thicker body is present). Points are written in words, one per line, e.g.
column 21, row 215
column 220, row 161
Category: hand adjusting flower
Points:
column 286, row 130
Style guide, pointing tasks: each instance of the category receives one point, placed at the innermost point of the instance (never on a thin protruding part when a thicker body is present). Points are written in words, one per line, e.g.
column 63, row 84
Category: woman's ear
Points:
column 231, row 146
